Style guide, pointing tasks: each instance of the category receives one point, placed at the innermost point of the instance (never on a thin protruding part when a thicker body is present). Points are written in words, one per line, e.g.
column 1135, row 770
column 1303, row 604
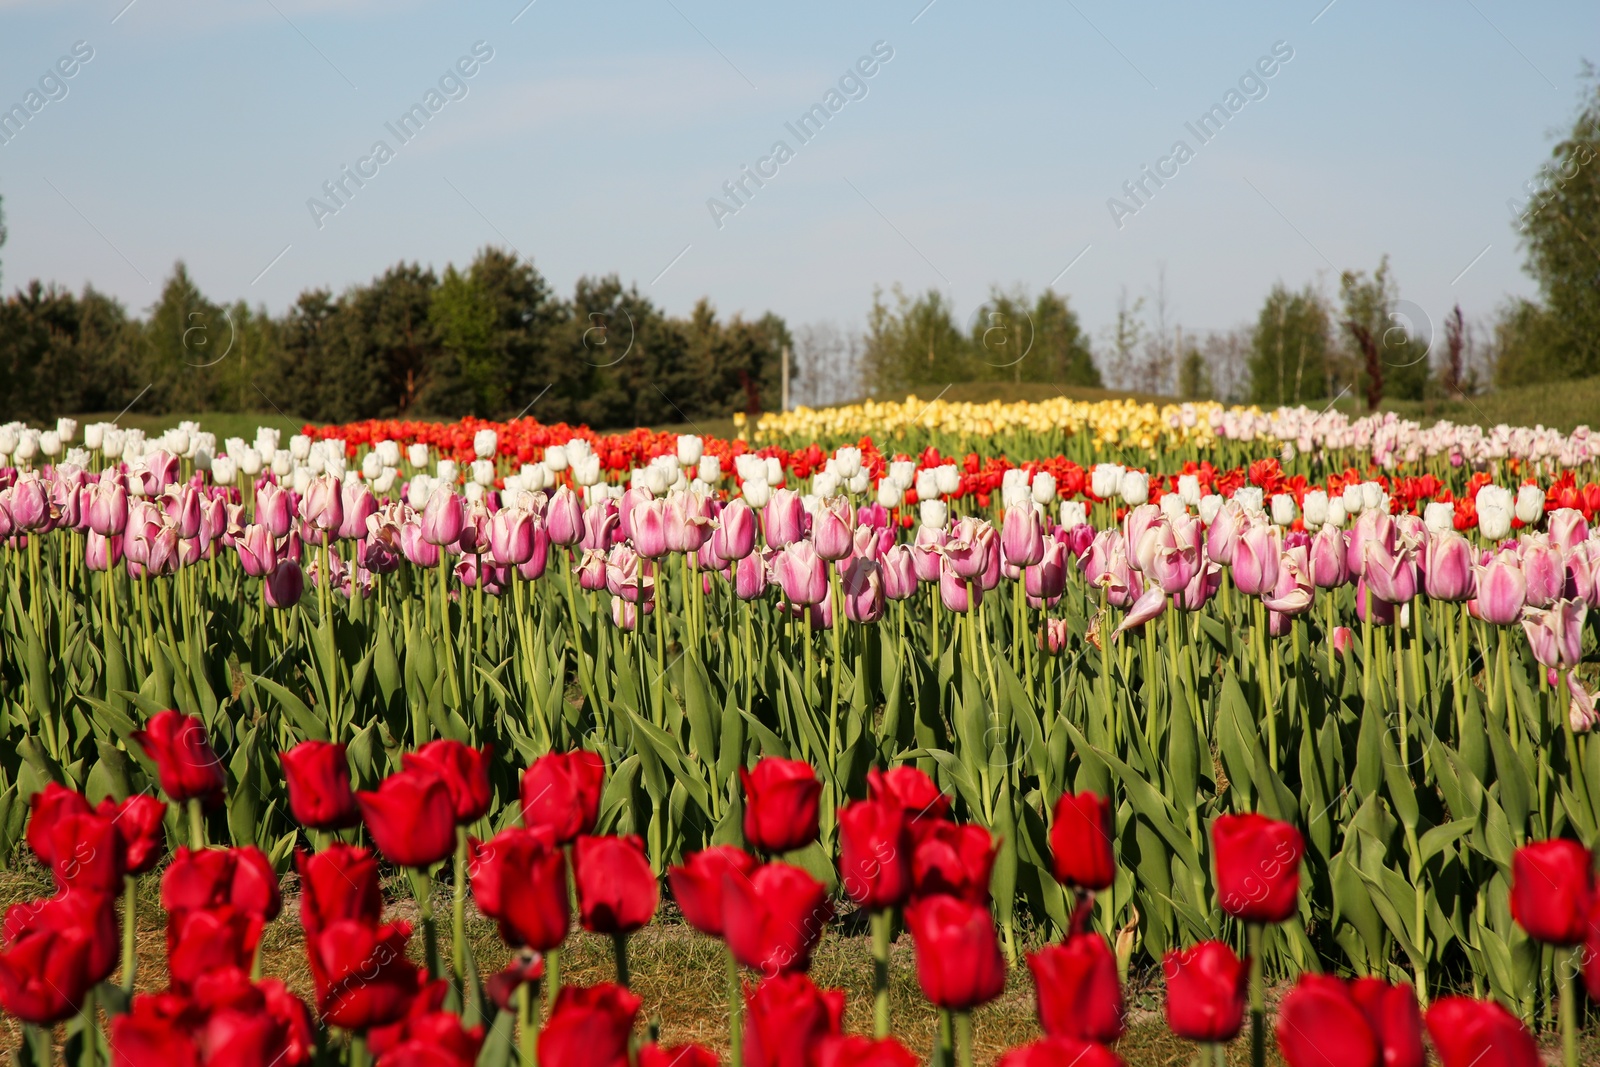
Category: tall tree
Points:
column 1389, row 348
column 1560, row 230
column 1289, row 348
column 915, row 343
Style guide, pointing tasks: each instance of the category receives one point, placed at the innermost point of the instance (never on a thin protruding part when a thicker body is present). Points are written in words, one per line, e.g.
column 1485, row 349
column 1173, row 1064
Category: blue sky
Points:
column 984, row 152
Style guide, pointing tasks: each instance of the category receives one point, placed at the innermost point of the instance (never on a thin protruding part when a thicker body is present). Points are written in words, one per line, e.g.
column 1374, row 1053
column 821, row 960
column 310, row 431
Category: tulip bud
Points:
column 1530, row 504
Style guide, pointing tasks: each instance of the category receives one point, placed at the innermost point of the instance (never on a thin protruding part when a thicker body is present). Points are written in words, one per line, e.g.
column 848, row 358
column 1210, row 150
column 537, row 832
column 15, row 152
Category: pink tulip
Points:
column 1343, row 639
column 969, row 548
column 1022, row 536
column 1053, row 638
column 679, row 516
column 600, row 523
column 284, row 585
column 511, row 536
column 443, row 516
column 162, row 468
column 592, row 570
column 1255, row 559
column 626, row 614
column 29, row 503
column 750, row 577
column 1135, row 524
column 107, row 509
column 1545, row 570
column 899, row 573
column 784, row 518
column 532, row 568
column 1222, row 537
column 862, row 585
column 735, row 536
column 989, row 577
column 804, row 574
column 1292, row 593
column 1567, row 527
column 1096, row 562
column 358, row 503
column 1447, row 568
column 1078, row 539
column 1372, row 528
column 1502, row 591
column 648, row 521
column 1046, row 580
column 258, row 551
column 1380, row 611
column 322, row 508
column 379, row 552
column 273, row 508
column 1583, row 572
column 1581, row 713
column 213, row 523
column 627, row 576
column 1556, row 634
column 927, row 553
column 1149, row 605
column 100, row 552
column 1201, row 588
column 833, row 529
column 1329, row 567
column 564, row 518
column 417, row 548
column 1391, row 575
column 955, row 592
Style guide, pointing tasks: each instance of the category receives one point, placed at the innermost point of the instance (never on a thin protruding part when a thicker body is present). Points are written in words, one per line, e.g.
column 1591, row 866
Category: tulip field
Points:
column 1282, row 714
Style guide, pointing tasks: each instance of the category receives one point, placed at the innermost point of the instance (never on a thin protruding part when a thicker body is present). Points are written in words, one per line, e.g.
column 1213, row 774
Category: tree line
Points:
column 492, row 340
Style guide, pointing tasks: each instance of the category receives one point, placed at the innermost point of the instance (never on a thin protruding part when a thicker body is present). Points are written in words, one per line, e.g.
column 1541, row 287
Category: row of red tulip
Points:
column 898, row 849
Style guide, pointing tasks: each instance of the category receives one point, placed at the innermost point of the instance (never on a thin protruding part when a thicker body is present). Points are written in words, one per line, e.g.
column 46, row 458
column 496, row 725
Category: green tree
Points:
column 185, row 339
column 1560, row 229
column 1388, row 349
column 1289, row 348
column 914, row 344
column 1194, row 376
column 1012, row 341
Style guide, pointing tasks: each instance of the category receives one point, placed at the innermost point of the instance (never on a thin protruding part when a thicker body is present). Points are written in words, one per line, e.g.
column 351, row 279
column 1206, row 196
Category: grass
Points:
column 679, row 974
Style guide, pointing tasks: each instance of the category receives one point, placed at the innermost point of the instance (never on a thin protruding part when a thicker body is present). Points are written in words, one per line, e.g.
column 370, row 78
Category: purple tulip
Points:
column 1022, row 536
column 284, row 585
column 1077, row 539
column 564, row 518
column 1047, row 579
column 1583, row 573
column 1447, row 572
column 784, row 519
column 1255, row 559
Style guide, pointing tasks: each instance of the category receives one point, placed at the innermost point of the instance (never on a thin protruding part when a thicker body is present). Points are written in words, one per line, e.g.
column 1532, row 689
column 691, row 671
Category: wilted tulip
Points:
column 1292, row 595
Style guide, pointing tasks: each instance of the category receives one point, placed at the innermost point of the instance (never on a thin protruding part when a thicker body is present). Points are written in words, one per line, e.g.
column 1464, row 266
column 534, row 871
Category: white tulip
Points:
column 585, row 470
column 1530, row 504
column 282, row 462
column 388, row 453
column 1172, row 506
column 904, row 472
column 417, row 455
column 933, row 513
column 384, row 482
column 709, row 470
column 224, row 469
column 66, row 429
column 928, row 483
column 1439, row 516
column 775, row 476
column 371, row 464
column 1315, row 508
column 1208, row 507
column 418, row 490
column 1073, row 513
column 1189, row 489
column 300, row 447
column 949, row 479
column 1354, row 499
column 1371, row 495
column 890, row 494
column 447, row 472
column 483, row 472
column 756, row 493
column 1336, row 513
column 849, row 461
column 1044, row 487
column 690, row 448
column 1105, row 480
column 1135, row 488
column 50, row 444
column 483, row 443
column 94, row 436
column 1282, row 509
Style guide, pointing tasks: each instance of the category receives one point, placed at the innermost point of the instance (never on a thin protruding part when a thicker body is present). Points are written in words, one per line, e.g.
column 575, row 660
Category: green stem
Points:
column 197, row 825
column 358, row 1050
column 130, row 916
column 1569, row 1007
column 552, row 970
column 964, row 1039
column 619, row 948
column 422, row 890
column 458, row 910
column 944, row 1050
column 882, row 923
column 528, row 1023
column 735, row 1010
column 1258, row 999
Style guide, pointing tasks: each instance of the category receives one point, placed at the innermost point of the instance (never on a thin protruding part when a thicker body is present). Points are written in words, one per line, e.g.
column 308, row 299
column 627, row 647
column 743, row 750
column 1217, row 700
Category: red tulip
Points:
column 411, row 818
column 1258, row 867
column 1552, row 886
column 361, row 973
column 83, row 848
column 340, row 882
column 140, row 822
column 1054, row 1051
column 561, row 792
column 786, row 1020
column 1079, row 993
column 92, row 914
column 185, row 761
column 216, row 877
column 589, row 1027
column 1207, row 989
column 617, row 890
column 204, row 940
column 780, row 809
column 318, row 777
column 427, row 1036
column 1395, row 1019
column 913, row 790
column 953, row 859
column 520, row 878
column 1082, row 842
column 773, row 919
column 875, row 853
column 1479, row 1033
column 677, row 1056
column 229, row 1020
column 1319, row 1022
column 697, row 884
column 958, row 957
column 855, row 1051
column 502, row 986
column 1591, row 951
column 44, row 975
column 49, row 806
column 465, row 771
